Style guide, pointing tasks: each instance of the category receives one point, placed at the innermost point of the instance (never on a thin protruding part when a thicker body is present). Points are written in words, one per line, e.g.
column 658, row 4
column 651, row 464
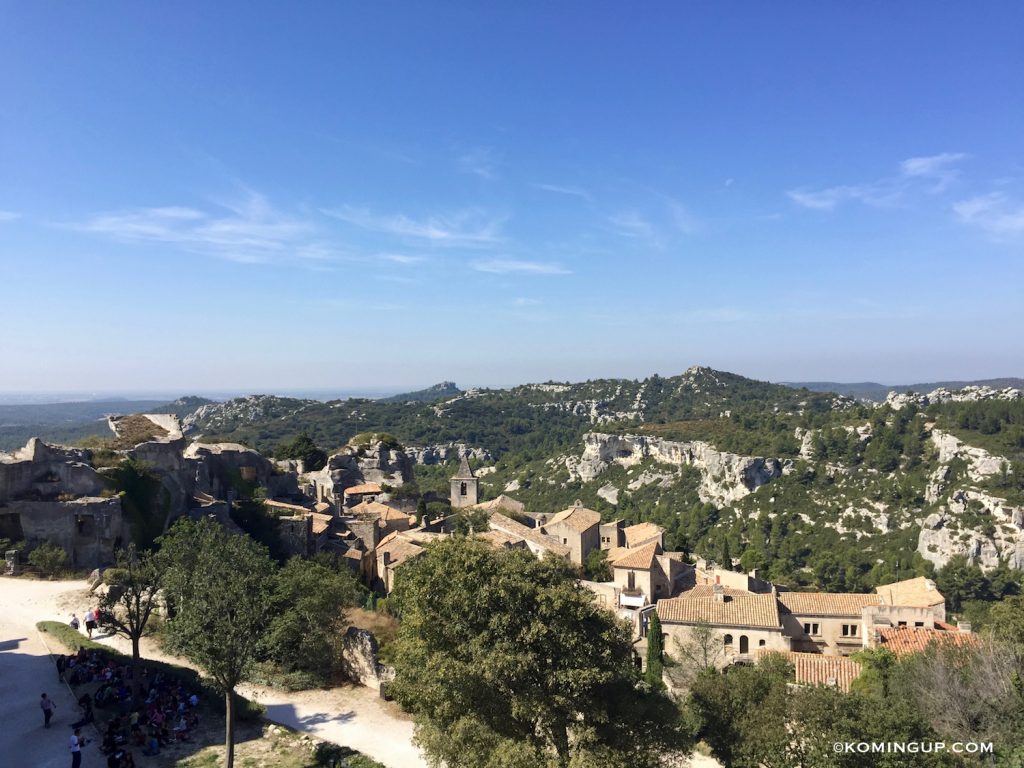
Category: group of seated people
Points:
column 166, row 714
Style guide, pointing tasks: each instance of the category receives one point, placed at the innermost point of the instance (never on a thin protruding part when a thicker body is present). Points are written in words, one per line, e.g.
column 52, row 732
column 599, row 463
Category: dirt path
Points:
column 351, row 715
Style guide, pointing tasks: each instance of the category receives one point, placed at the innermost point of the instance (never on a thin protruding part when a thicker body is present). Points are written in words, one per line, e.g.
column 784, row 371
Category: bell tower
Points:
column 465, row 486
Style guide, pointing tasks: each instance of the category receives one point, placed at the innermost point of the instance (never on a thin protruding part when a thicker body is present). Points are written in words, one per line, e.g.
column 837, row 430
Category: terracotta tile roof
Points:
column 322, row 508
column 497, row 538
column 400, row 551
column 760, row 611
column 708, row 590
column 912, row 593
column 353, row 554
column 641, row 558
column 501, row 502
column 577, row 517
column 642, row 532
column 826, row 603
column 320, row 522
column 357, row 490
column 275, row 504
column 375, row 508
column 904, row 640
column 499, row 522
column 818, row 669
column 616, row 552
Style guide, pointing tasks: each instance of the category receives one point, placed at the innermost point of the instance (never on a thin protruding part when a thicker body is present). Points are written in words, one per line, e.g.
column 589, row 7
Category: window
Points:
column 728, row 640
column 850, row 630
column 902, row 624
column 657, row 588
column 919, row 624
column 760, row 643
column 811, row 629
column 462, row 489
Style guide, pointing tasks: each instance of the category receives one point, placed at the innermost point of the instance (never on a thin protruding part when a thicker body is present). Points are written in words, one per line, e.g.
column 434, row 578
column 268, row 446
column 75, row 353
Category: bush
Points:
column 49, row 559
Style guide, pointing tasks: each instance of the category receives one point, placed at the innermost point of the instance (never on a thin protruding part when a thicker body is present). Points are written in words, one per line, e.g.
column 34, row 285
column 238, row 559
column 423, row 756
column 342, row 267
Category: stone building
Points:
column 578, row 528
column 51, row 494
column 465, row 487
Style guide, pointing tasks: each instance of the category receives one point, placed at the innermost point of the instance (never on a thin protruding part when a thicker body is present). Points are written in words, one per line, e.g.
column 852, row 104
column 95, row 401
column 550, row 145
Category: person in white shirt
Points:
column 76, row 748
column 90, row 622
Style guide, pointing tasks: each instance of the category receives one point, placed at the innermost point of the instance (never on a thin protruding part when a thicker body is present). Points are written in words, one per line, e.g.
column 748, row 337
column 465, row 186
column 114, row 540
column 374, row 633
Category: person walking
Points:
column 47, row 705
column 76, row 748
column 90, row 621
column 74, row 622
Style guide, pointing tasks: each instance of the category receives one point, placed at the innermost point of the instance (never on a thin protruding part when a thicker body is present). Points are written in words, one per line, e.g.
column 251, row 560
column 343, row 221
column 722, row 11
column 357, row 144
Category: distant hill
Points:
column 70, row 422
column 875, row 392
column 442, row 391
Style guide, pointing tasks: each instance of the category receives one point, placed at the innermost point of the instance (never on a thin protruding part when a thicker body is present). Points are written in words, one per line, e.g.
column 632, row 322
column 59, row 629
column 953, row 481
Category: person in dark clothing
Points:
column 47, row 705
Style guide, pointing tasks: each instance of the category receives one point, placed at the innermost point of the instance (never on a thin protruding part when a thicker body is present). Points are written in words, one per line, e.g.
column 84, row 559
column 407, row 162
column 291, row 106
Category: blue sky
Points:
column 258, row 196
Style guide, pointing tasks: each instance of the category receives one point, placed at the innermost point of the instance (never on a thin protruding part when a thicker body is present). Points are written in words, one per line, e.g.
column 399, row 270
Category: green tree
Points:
column 305, row 449
column 655, row 652
column 220, row 585
column 504, row 659
column 309, row 604
column 131, row 597
column 596, row 567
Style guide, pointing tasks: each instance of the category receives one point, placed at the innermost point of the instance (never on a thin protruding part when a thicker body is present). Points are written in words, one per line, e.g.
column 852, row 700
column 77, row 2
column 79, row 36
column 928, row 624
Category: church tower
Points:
column 465, row 486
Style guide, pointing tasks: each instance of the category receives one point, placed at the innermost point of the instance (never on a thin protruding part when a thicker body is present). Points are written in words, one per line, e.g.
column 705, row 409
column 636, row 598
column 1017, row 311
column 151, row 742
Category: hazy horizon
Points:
column 199, row 198
column 8, row 397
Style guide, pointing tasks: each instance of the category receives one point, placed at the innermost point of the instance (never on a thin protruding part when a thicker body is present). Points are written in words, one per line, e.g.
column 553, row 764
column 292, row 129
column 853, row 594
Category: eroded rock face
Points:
column 371, row 463
column 725, row 477
column 360, row 655
column 440, row 454
column 980, row 463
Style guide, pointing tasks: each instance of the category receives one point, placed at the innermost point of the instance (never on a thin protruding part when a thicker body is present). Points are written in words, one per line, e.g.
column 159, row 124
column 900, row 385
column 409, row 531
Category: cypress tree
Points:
column 655, row 651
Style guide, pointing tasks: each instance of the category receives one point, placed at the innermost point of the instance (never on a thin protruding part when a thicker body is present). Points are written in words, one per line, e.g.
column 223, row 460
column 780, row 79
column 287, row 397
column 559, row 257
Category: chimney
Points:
column 964, row 626
column 718, row 580
column 719, row 593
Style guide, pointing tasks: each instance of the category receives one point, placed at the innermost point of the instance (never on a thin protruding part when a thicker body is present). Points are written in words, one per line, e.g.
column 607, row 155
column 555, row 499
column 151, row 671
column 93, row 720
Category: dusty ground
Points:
column 350, row 715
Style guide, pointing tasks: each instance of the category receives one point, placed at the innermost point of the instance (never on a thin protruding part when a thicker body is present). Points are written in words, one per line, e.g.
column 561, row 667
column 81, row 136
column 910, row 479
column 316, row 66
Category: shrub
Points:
column 49, row 559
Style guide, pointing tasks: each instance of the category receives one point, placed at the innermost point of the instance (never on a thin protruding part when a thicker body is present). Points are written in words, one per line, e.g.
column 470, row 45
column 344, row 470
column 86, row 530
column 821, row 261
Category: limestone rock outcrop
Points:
column 725, row 477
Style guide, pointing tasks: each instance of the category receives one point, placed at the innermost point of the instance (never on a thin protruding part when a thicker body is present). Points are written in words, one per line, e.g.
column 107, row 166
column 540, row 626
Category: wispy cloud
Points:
column 9, row 215
column 995, row 213
column 403, row 258
column 933, row 173
column 469, row 227
column 480, row 162
column 937, row 168
column 517, row 266
column 683, row 218
column 523, row 301
column 632, row 224
column 248, row 230
column 559, row 189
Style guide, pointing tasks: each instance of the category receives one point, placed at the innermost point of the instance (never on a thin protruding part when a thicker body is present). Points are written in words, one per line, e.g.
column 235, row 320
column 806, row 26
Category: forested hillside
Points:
column 809, row 488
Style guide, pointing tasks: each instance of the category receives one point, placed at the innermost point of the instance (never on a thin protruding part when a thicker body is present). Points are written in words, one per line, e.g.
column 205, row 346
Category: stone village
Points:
column 55, row 494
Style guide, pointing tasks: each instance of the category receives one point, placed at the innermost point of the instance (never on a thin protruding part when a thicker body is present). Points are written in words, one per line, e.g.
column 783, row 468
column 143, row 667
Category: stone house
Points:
column 578, row 528
column 826, row 622
column 915, row 593
column 647, row 574
column 537, row 542
column 643, row 533
column 741, row 623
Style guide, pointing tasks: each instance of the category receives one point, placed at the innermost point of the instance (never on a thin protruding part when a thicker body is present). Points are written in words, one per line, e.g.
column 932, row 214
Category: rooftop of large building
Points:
column 755, row 611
